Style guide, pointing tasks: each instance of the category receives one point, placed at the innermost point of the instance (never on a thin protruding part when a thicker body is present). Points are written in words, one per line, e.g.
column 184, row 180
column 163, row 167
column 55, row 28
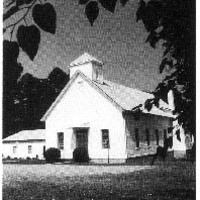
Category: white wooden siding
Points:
column 84, row 106
column 22, row 149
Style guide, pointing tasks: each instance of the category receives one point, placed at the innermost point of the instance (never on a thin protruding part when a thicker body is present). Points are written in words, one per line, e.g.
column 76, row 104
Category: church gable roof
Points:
column 122, row 97
column 63, row 92
column 85, row 58
column 127, row 98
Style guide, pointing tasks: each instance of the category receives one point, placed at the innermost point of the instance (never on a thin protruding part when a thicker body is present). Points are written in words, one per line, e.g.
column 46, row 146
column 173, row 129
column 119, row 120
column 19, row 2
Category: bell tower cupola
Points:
column 89, row 66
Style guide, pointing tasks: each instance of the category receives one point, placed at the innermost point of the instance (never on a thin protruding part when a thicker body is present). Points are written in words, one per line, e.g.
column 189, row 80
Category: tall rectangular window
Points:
column 14, row 149
column 165, row 134
column 157, row 136
column 105, row 139
column 178, row 135
column 147, row 137
column 137, row 139
column 29, row 149
column 44, row 149
column 61, row 140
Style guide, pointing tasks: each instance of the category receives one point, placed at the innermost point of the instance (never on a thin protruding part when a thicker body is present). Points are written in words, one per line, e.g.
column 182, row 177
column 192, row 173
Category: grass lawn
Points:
column 172, row 180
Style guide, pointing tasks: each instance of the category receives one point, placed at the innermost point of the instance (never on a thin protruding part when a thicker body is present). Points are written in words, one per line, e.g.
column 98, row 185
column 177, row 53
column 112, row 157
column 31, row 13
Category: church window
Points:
column 137, row 139
column 60, row 140
column 14, row 149
column 29, row 149
column 148, row 137
column 165, row 134
column 105, row 139
column 157, row 136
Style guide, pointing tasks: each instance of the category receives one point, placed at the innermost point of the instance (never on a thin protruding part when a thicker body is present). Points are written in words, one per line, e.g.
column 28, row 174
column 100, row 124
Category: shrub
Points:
column 52, row 155
column 36, row 157
column 8, row 157
column 80, row 155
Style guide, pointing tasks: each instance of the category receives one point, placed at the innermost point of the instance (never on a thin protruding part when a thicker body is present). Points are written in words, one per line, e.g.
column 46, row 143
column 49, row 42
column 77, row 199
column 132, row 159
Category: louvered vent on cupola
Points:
column 89, row 66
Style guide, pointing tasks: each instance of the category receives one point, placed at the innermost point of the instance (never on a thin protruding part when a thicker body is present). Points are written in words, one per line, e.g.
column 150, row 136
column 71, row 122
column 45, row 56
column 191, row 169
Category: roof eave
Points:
column 27, row 140
column 149, row 113
column 43, row 119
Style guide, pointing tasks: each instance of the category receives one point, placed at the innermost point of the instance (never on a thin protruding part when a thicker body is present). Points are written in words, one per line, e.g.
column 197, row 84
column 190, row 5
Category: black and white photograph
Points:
column 99, row 100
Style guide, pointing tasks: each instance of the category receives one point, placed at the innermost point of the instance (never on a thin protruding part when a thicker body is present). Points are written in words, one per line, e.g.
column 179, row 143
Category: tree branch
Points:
column 14, row 24
column 21, row 19
column 10, row 12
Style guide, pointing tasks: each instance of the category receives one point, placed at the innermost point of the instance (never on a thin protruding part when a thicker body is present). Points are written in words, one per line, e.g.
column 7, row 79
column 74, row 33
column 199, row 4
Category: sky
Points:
column 115, row 39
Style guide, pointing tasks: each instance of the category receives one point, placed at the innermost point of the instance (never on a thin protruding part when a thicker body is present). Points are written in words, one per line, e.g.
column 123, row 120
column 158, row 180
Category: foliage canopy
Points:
column 173, row 22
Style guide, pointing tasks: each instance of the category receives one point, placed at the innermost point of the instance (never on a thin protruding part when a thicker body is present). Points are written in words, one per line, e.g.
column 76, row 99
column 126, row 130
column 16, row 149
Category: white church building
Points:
column 106, row 118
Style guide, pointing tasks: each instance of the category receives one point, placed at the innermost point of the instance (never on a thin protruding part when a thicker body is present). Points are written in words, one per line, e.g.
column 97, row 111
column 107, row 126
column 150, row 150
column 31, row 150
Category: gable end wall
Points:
column 83, row 106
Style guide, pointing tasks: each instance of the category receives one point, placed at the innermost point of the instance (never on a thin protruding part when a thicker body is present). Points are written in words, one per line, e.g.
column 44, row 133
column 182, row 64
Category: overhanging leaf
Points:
column 108, row 4
column 92, row 11
column 148, row 104
column 166, row 62
column 152, row 39
column 45, row 17
column 162, row 65
column 28, row 39
column 156, row 103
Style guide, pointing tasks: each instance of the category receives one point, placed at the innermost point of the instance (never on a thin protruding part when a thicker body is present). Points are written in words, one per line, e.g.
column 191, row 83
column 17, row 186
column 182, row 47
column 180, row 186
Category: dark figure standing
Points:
column 162, row 151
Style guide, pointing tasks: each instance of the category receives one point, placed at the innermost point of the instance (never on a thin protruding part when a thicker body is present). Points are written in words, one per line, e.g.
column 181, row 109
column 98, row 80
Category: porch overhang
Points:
column 79, row 125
